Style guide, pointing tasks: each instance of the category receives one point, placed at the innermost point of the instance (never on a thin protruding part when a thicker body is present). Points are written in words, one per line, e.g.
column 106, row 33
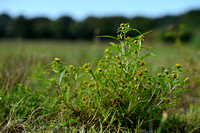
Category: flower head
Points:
column 57, row 59
column 141, row 63
column 178, row 65
column 139, row 73
column 89, row 69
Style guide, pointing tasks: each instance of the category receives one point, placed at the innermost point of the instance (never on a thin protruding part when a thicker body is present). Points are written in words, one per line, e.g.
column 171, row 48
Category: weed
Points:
column 118, row 90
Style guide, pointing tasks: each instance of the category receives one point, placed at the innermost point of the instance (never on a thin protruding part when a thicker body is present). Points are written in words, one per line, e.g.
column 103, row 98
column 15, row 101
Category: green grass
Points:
column 34, row 108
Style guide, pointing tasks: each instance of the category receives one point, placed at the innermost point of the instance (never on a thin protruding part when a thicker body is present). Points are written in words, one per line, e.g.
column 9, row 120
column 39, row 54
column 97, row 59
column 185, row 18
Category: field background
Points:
column 23, row 59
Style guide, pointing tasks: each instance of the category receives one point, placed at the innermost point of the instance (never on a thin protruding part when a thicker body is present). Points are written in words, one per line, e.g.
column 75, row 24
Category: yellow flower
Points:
column 118, row 61
column 117, row 56
column 174, row 75
column 100, row 69
column 139, row 73
column 141, row 63
column 57, row 59
column 178, row 65
column 107, row 50
column 128, row 38
column 187, row 79
column 85, row 65
column 146, row 70
column 122, row 24
column 89, row 69
column 159, row 75
column 166, row 71
column 89, row 85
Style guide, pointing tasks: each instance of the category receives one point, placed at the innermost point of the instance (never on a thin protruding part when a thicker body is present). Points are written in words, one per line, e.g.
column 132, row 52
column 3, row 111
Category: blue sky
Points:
column 80, row 9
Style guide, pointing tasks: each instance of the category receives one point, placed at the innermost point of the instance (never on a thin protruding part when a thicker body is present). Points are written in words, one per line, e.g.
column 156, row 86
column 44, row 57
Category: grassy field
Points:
column 20, row 60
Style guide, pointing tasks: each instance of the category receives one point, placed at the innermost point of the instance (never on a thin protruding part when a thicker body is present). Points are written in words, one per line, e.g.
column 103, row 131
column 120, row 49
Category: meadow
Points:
column 28, row 105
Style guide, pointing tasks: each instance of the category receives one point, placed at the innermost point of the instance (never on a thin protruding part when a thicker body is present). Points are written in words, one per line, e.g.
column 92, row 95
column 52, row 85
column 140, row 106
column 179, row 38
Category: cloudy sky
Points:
column 80, row 9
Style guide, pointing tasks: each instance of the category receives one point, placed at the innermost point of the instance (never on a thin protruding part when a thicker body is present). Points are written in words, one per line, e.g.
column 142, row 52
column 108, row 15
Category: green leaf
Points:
column 108, row 36
column 62, row 75
column 71, row 121
column 115, row 47
column 146, row 55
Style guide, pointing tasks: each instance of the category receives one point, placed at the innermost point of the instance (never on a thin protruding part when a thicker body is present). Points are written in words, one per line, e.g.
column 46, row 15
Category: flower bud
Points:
column 57, row 59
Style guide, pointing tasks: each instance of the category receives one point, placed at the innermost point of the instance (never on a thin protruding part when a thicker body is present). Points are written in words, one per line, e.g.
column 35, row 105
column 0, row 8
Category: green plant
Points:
column 118, row 90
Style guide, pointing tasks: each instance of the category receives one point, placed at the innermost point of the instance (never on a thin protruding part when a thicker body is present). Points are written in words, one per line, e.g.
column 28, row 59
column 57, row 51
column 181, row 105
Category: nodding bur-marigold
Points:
column 139, row 73
column 178, row 65
column 107, row 50
column 71, row 66
column 100, row 70
column 166, row 71
column 122, row 24
column 187, row 79
column 119, row 62
column 89, row 69
column 135, row 41
column 85, row 65
column 136, row 79
column 57, row 59
column 128, row 38
column 174, row 75
column 167, row 100
column 123, row 28
column 146, row 70
column 89, row 85
column 117, row 56
column 159, row 75
column 141, row 63
column 84, row 82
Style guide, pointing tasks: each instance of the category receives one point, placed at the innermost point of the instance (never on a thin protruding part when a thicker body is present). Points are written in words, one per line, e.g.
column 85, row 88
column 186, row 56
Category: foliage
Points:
column 66, row 27
column 117, row 90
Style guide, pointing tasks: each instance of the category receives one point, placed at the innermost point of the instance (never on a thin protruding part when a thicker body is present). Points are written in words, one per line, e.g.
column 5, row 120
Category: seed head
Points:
column 178, row 65
column 159, row 75
column 57, row 59
column 187, row 79
column 89, row 69
column 174, row 75
column 139, row 73
column 166, row 71
column 141, row 63
column 167, row 100
column 119, row 66
column 136, row 79
column 71, row 66
column 128, row 38
column 146, row 70
column 119, row 62
column 89, row 85
column 84, row 82
column 85, row 65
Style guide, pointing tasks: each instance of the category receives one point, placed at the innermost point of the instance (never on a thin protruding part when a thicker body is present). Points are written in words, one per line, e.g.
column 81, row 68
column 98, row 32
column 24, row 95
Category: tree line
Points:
column 66, row 27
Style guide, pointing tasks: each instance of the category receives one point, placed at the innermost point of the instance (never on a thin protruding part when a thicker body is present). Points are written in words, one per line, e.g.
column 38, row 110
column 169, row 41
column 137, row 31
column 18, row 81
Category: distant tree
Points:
column 21, row 27
column 41, row 27
column 5, row 25
column 191, row 19
column 64, row 28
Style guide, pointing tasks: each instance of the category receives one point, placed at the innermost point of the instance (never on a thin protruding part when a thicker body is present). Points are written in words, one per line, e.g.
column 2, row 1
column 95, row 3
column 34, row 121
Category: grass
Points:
column 35, row 108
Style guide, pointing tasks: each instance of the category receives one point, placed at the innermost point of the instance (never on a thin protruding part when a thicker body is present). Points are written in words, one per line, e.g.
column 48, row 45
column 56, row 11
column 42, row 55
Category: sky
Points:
column 81, row 9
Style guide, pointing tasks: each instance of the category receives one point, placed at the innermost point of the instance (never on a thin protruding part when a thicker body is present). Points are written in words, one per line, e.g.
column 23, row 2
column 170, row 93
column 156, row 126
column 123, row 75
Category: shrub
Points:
column 117, row 90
